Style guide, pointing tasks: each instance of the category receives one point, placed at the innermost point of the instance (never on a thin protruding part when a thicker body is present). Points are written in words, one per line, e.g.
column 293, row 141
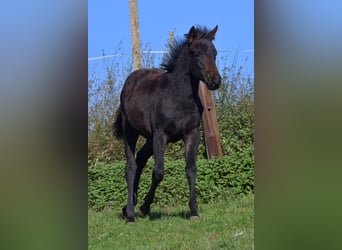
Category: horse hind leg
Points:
column 142, row 157
column 130, row 140
column 159, row 142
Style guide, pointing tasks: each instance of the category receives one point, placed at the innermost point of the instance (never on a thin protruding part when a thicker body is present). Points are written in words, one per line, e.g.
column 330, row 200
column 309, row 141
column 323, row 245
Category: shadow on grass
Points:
column 159, row 215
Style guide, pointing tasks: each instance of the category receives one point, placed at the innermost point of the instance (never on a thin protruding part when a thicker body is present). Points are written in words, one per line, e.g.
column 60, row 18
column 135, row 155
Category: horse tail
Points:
column 117, row 125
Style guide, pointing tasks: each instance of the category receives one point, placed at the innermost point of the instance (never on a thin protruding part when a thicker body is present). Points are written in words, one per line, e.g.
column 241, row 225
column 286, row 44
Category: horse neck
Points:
column 185, row 86
column 183, row 81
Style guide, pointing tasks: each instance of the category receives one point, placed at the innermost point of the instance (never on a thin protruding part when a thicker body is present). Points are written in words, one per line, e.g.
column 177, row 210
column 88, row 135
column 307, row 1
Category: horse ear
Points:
column 192, row 35
column 212, row 33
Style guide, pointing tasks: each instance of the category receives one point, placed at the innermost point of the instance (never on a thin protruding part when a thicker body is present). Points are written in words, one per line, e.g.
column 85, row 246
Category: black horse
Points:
column 163, row 105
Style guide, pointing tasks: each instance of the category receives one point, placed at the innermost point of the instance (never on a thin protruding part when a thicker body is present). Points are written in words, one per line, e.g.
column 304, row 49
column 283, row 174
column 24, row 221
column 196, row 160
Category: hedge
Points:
column 216, row 179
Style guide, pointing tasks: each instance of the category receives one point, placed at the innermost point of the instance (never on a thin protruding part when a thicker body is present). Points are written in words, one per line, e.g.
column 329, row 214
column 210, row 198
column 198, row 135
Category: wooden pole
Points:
column 209, row 120
column 172, row 37
column 136, row 51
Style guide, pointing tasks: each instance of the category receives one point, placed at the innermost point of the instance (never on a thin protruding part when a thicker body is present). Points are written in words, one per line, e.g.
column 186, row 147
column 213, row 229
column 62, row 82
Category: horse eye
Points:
column 197, row 55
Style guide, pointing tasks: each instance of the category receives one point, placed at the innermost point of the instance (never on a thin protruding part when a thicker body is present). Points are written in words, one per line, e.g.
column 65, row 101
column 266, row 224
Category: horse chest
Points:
column 176, row 117
column 177, row 126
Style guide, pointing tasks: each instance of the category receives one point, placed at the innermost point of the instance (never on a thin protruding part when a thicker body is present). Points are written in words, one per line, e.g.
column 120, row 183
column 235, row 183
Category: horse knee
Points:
column 158, row 175
column 191, row 172
column 130, row 170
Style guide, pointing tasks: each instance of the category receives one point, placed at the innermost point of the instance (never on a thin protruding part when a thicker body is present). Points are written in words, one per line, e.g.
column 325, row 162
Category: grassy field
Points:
column 228, row 224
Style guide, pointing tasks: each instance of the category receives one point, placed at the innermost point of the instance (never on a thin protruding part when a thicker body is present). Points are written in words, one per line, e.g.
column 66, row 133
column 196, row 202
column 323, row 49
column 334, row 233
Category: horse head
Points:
column 203, row 56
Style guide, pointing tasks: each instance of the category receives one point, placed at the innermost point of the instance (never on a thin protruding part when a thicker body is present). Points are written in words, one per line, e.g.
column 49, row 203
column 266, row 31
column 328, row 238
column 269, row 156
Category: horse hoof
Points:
column 130, row 220
column 141, row 214
column 143, row 211
column 194, row 217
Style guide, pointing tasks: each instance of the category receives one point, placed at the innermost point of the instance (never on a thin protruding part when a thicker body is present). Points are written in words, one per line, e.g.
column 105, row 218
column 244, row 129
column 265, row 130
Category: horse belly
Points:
column 140, row 121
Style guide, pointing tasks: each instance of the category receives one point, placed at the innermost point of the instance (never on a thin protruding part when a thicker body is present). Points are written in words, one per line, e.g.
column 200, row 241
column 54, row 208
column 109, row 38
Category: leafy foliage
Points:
column 216, row 179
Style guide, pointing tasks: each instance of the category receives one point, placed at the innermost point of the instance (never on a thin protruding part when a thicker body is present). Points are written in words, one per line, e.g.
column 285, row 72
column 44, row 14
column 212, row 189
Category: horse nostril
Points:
column 216, row 79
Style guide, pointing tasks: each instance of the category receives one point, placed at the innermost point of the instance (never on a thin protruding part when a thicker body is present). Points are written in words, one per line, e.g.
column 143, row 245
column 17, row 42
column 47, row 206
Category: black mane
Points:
column 175, row 49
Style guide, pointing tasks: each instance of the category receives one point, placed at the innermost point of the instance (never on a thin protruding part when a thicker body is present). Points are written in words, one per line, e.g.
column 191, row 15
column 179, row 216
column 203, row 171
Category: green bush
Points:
column 216, row 179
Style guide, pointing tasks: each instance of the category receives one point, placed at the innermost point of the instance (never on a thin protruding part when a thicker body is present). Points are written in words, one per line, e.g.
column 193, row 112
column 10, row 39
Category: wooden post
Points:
column 171, row 37
column 133, row 7
column 211, row 132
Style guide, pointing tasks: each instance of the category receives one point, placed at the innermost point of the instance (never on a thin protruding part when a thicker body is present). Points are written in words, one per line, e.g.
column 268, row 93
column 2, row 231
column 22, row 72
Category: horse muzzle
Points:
column 214, row 82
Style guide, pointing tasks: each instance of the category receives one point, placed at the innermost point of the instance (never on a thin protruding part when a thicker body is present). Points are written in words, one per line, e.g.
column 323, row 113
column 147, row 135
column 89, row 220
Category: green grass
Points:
column 228, row 224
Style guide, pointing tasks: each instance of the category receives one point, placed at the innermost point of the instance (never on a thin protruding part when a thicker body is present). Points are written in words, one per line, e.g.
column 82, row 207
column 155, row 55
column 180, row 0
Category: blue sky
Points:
column 109, row 25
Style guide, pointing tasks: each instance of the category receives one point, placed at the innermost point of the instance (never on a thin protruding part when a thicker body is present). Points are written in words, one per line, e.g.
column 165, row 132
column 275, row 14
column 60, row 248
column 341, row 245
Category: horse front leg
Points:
column 191, row 145
column 159, row 142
